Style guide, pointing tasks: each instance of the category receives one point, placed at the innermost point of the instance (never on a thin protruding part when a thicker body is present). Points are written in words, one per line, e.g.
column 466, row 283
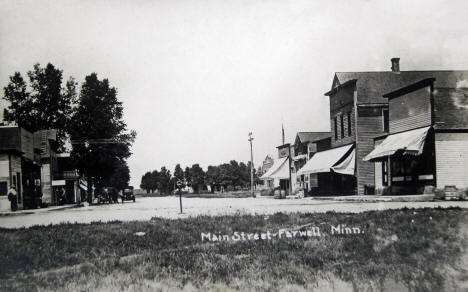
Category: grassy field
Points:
column 402, row 250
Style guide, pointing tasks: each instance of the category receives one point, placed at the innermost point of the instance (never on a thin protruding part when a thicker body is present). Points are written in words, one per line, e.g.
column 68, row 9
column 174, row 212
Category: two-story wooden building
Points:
column 359, row 113
column 305, row 146
column 427, row 143
column 29, row 160
column 20, row 164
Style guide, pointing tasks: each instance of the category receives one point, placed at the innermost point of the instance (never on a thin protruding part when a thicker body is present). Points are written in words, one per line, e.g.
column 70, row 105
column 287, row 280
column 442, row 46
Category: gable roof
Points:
column 305, row 137
column 371, row 86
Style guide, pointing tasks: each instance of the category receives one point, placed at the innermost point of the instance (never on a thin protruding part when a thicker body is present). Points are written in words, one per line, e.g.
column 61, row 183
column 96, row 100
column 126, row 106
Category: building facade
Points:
column 427, row 143
column 29, row 161
column 359, row 112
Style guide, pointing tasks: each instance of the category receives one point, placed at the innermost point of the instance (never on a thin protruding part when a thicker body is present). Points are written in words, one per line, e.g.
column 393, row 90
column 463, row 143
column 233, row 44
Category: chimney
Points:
column 395, row 65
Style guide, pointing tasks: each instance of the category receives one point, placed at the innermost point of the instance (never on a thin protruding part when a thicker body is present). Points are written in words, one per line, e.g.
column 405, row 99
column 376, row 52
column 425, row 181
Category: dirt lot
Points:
column 168, row 207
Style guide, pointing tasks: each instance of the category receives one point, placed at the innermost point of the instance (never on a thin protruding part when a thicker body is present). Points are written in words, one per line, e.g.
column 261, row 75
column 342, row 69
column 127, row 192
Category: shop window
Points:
column 385, row 173
column 342, row 127
column 3, row 188
column 336, row 128
column 385, row 120
column 405, row 168
column 349, row 124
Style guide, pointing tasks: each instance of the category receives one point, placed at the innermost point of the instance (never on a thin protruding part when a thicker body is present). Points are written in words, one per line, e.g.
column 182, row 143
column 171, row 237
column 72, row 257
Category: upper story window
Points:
column 349, row 123
column 385, row 120
column 336, row 128
column 342, row 127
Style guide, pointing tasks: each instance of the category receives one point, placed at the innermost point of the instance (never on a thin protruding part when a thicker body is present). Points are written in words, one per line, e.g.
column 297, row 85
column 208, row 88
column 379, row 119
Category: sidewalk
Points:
column 368, row 198
column 35, row 211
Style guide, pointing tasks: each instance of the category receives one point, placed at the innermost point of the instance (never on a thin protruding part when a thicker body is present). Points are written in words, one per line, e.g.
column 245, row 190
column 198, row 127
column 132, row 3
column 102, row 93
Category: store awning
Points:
column 347, row 165
column 279, row 169
column 410, row 142
column 324, row 161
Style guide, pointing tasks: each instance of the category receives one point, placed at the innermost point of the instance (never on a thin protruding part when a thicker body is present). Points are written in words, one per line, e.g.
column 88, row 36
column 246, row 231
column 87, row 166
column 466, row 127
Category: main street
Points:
column 168, row 207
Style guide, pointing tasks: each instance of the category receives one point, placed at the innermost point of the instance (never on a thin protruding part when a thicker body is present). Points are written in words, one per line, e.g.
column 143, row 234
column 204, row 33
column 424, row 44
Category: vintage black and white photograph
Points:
column 242, row 145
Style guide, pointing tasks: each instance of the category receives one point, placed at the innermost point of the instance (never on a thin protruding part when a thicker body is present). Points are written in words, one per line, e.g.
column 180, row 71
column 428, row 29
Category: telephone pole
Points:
column 251, row 164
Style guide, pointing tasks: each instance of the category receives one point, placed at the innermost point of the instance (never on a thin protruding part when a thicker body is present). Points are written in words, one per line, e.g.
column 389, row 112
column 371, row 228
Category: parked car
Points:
column 128, row 195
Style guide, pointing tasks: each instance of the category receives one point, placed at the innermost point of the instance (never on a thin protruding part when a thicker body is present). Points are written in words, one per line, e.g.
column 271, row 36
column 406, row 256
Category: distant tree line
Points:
column 89, row 123
column 226, row 176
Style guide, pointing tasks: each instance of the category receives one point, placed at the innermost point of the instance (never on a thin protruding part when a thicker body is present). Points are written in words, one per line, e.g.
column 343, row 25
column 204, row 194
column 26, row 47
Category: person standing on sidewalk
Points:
column 13, row 198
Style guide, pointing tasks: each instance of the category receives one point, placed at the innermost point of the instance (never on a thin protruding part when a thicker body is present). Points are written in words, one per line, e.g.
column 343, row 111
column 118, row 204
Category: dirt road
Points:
column 168, row 207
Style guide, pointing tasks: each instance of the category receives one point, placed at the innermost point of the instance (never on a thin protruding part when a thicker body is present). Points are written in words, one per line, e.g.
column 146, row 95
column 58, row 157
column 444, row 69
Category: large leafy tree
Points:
column 120, row 177
column 213, row 177
column 197, row 177
column 154, row 180
column 164, row 181
column 42, row 104
column 145, row 182
column 99, row 135
column 179, row 175
column 188, row 176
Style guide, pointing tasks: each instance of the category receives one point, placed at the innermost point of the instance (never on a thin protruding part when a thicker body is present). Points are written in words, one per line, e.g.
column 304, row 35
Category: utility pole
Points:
column 290, row 178
column 251, row 164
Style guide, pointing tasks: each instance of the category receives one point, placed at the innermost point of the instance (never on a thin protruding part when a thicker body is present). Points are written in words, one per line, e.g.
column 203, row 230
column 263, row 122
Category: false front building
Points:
column 359, row 113
column 427, row 143
column 29, row 161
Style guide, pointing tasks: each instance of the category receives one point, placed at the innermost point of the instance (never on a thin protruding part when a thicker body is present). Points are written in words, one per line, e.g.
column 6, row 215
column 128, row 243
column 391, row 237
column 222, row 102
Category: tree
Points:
column 179, row 175
column 154, row 181
column 197, row 177
column 146, row 182
column 120, row 177
column 98, row 132
column 164, row 181
column 187, row 177
column 213, row 177
column 48, row 105
column 244, row 174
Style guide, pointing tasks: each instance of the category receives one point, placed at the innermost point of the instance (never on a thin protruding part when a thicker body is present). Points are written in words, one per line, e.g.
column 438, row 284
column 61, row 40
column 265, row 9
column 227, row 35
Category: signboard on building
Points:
column 283, row 150
column 60, row 182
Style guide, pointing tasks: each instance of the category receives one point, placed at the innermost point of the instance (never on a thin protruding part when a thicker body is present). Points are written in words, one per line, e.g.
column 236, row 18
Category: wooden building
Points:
column 30, row 159
column 278, row 175
column 305, row 146
column 359, row 113
column 427, row 143
column 19, row 164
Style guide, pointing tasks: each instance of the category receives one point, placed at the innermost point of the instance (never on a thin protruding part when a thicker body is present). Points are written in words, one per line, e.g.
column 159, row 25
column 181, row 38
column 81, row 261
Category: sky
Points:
column 195, row 77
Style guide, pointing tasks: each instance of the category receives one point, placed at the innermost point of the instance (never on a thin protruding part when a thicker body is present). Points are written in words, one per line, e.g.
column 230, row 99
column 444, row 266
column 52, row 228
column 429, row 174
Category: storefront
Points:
column 405, row 162
column 331, row 172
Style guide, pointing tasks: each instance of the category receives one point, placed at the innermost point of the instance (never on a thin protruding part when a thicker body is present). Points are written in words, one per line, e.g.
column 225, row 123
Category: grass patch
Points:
column 417, row 250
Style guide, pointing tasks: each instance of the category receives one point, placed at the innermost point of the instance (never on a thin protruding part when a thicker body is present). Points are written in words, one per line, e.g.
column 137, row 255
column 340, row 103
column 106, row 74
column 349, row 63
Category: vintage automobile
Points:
column 128, row 195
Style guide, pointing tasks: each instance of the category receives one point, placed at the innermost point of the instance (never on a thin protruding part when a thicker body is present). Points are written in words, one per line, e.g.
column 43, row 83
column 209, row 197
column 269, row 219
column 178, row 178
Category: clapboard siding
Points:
column 46, row 183
column 412, row 122
column 378, row 170
column 367, row 129
column 27, row 144
column 452, row 159
column 343, row 111
column 410, row 111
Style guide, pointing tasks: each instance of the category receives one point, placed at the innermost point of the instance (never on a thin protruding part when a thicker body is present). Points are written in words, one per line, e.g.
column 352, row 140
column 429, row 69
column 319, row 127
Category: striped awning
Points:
column 325, row 161
column 410, row 142
column 279, row 170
